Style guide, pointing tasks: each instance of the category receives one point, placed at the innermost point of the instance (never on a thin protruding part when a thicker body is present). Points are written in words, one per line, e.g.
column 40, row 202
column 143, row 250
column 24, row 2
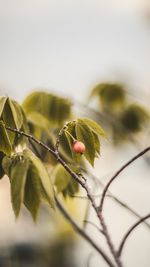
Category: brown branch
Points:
column 75, row 177
column 114, row 198
column 93, row 224
column 117, row 173
column 129, row 232
column 82, row 233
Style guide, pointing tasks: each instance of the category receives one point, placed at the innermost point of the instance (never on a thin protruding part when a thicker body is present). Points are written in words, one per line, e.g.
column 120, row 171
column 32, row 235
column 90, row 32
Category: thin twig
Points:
column 77, row 179
column 129, row 232
column 117, row 173
column 82, row 232
column 114, row 198
column 93, row 224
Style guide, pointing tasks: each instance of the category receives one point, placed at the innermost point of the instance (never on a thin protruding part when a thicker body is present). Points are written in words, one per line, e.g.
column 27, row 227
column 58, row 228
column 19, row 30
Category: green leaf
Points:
column 54, row 108
column 43, row 176
column 32, row 192
column 6, row 164
column 39, row 120
column 2, row 104
column 2, row 173
column 95, row 127
column 12, row 115
column 72, row 188
column 5, row 145
column 18, row 179
column 84, row 134
column 96, row 143
column 61, row 178
column 134, row 117
column 111, row 95
column 17, row 113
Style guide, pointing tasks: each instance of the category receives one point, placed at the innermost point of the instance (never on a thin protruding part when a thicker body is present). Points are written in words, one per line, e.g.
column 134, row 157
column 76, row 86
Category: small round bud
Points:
column 78, row 147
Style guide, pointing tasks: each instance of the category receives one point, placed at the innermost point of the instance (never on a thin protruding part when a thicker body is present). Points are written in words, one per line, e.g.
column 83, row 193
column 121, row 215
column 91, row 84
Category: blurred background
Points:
column 67, row 47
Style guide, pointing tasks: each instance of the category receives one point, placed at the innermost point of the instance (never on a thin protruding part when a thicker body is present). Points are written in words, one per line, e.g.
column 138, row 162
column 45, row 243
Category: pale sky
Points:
column 68, row 46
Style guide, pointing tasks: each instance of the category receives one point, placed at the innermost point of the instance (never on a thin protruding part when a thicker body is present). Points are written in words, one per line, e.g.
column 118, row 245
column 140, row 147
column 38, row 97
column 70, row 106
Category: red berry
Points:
column 78, row 147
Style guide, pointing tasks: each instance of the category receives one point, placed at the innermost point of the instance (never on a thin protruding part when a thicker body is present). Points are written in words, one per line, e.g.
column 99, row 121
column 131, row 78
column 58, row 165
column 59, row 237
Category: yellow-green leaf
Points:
column 5, row 145
column 94, row 126
column 2, row 104
column 84, row 134
column 43, row 175
column 61, row 178
column 32, row 192
column 18, row 179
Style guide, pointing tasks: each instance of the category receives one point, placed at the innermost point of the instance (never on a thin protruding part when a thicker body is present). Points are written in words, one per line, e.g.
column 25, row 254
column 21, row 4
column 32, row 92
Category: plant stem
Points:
column 74, row 176
column 118, row 172
column 129, row 232
column 82, row 232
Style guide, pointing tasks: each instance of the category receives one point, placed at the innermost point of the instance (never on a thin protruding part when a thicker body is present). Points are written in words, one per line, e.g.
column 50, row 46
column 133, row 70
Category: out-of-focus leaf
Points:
column 39, row 120
column 111, row 95
column 55, row 109
column 19, row 172
column 84, row 134
column 134, row 117
column 5, row 145
column 71, row 189
column 61, row 178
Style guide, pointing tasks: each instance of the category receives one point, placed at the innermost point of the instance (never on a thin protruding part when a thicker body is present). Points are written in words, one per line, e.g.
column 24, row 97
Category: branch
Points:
column 82, row 182
column 89, row 222
column 82, row 233
column 114, row 198
column 117, row 173
column 129, row 232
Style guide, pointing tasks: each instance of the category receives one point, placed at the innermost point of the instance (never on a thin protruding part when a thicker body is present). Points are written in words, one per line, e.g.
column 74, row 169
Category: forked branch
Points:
column 130, row 231
column 118, row 172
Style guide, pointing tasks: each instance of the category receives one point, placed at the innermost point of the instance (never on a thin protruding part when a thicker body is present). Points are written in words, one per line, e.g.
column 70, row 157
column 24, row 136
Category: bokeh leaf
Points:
column 61, row 178
column 54, row 108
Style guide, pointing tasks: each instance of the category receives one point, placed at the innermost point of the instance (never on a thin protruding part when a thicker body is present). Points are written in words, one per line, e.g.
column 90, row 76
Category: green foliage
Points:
column 111, row 95
column 88, row 132
column 2, row 173
column 50, row 109
column 5, row 144
column 12, row 115
column 64, row 182
column 61, row 178
column 85, row 135
column 18, row 180
column 134, row 117
column 30, row 182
